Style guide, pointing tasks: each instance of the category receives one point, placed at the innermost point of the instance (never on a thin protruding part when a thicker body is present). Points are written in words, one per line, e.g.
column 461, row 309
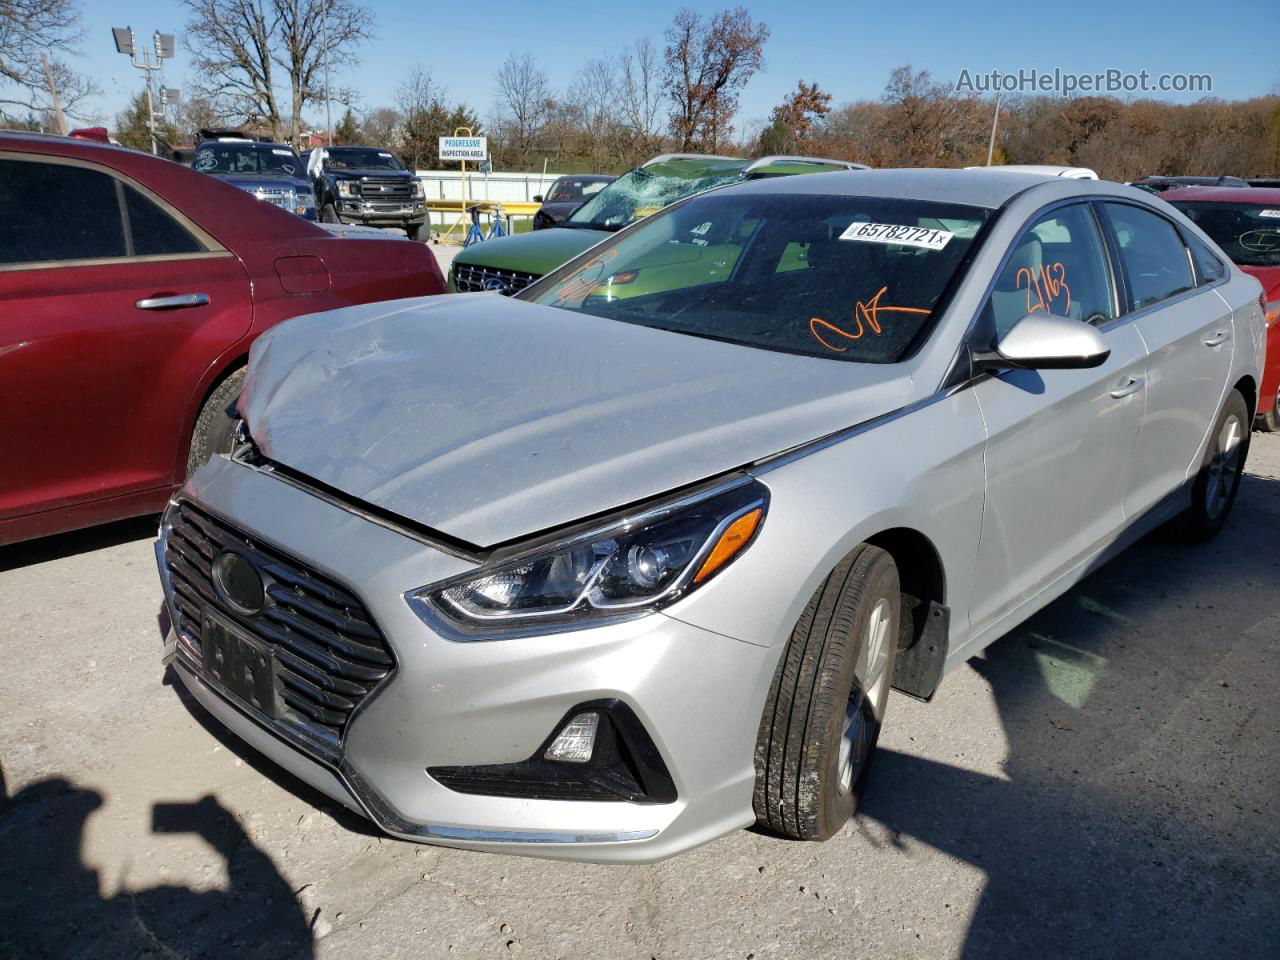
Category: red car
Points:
column 130, row 291
column 1245, row 223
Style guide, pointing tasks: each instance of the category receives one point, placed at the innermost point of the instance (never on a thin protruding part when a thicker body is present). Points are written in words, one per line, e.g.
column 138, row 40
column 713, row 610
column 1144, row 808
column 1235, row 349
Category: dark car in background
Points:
column 272, row 172
column 1246, row 225
column 369, row 186
column 566, row 195
column 131, row 289
column 1161, row 184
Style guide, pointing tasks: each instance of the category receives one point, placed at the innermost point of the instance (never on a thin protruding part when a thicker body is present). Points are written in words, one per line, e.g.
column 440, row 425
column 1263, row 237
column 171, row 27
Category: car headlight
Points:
column 417, row 189
column 632, row 567
column 346, row 188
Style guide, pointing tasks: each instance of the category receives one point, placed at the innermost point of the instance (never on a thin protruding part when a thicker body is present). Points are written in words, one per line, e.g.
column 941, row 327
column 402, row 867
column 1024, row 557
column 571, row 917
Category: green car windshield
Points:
column 648, row 189
column 844, row 278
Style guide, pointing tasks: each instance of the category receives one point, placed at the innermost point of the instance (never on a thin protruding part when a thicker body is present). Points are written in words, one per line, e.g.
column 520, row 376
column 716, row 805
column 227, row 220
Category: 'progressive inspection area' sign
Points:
column 464, row 148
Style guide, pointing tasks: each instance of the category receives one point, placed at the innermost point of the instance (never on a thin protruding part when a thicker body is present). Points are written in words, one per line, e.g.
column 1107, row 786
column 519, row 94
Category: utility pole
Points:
column 53, row 95
column 328, row 109
column 991, row 144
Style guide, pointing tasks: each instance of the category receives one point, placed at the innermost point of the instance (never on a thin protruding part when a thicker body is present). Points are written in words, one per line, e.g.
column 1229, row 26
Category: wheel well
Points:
column 920, row 573
column 232, row 366
column 1249, row 390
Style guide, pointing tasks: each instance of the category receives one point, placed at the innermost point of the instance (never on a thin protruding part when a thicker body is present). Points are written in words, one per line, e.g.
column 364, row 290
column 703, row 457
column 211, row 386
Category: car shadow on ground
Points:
column 42, row 550
column 52, row 903
column 1139, row 709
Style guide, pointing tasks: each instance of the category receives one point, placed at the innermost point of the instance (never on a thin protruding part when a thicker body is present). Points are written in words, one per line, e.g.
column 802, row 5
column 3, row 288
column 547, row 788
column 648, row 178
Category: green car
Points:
column 509, row 264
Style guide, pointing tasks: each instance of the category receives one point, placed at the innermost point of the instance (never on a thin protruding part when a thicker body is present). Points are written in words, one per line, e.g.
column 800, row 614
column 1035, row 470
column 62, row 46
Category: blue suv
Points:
column 272, row 172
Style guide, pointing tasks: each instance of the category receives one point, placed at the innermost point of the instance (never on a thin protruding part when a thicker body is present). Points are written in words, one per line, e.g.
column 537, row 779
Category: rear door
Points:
column 1188, row 333
column 112, row 306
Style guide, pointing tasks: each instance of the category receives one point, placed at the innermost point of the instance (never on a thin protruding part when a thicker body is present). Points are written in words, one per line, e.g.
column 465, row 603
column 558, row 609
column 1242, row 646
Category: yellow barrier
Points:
column 493, row 208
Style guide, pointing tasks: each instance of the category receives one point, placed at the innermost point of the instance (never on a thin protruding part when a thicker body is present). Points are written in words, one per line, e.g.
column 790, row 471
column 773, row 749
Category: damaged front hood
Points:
column 488, row 419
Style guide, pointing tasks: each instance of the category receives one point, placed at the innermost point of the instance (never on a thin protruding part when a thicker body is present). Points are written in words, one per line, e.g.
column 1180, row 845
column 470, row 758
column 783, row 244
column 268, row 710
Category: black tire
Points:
column 818, row 700
column 215, row 429
column 1269, row 422
column 1215, row 487
column 417, row 231
column 329, row 214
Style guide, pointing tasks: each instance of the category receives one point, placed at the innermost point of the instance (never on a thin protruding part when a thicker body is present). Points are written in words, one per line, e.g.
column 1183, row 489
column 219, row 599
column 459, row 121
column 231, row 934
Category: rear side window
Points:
column 55, row 212
column 1209, row 269
column 154, row 231
column 1058, row 267
column 1155, row 262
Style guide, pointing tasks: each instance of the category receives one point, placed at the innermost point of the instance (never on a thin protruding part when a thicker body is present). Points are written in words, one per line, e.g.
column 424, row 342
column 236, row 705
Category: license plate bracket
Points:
column 241, row 663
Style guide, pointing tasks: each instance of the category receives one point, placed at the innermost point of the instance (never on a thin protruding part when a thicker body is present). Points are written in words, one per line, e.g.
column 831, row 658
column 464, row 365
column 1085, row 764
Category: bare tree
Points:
column 930, row 125
column 708, row 62
column 30, row 30
column 310, row 32
column 383, row 127
column 593, row 96
column 237, row 46
column 418, row 98
column 525, row 99
column 641, row 97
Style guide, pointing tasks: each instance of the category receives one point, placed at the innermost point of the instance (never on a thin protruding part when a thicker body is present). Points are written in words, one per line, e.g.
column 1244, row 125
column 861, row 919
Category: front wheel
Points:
column 215, row 428
column 827, row 700
column 1214, row 489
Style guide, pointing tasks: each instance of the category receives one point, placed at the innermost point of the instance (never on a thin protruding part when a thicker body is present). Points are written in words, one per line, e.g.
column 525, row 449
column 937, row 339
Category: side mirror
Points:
column 537, row 198
column 1042, row 341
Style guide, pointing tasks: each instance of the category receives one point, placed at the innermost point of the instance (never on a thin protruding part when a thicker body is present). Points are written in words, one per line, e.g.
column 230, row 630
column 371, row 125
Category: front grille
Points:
column 470, row 278
column 330, row 654
column 276, row 196
column 386, row 188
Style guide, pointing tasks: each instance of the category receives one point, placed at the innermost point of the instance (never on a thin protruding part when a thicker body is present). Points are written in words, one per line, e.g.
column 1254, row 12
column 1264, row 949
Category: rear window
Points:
column 1248, row 233
column 845, row 278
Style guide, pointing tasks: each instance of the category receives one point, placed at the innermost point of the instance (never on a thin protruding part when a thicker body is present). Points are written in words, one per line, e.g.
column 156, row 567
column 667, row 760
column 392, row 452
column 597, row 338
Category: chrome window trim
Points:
column 212, row 248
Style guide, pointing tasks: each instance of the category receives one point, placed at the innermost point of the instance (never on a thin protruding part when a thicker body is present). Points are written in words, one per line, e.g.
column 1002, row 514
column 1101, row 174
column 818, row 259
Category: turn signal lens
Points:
column 736, row 536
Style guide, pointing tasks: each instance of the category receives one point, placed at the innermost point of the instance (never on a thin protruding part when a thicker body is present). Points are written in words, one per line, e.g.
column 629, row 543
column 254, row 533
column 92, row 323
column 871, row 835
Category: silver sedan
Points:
column 633, row 559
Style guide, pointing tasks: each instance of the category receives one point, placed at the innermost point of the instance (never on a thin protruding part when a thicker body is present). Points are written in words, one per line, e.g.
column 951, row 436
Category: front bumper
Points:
column 697, row 693
column 376, row 214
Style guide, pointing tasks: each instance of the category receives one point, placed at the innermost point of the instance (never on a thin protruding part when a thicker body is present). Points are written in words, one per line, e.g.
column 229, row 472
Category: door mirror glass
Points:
column 1042, row 341
column 537, row 198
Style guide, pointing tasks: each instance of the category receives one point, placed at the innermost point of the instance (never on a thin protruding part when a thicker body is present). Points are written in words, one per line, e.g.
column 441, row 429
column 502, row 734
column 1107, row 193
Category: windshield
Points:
column 647, row 190
column 246, row 158
column 574, row 189
column 1248, row 233
column 846, row 278
column 361, row 160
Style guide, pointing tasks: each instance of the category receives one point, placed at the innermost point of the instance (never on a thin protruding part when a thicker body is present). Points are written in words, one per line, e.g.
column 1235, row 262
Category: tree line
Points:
column 261, row 64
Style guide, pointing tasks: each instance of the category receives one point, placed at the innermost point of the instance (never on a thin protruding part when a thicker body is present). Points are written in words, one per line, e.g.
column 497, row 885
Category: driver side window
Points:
column 1058, row 266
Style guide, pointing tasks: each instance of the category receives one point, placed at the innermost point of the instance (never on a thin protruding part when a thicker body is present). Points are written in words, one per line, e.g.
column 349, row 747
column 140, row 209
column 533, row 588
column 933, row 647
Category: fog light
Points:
column 576, row 741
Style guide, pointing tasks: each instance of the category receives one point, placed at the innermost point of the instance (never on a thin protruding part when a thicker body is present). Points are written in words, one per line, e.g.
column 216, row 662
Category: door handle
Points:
column 1131, row 385
column 175, row 302
column 1219, row 338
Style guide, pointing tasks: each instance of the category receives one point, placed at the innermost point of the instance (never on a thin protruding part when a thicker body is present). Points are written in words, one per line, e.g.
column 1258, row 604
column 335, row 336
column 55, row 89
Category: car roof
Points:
column 977, row 188
column 265, row 144
column 1269, row 196
column 1048, row 169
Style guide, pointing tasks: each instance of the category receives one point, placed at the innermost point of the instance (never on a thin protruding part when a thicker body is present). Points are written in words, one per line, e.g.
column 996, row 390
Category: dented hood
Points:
column 488, row 419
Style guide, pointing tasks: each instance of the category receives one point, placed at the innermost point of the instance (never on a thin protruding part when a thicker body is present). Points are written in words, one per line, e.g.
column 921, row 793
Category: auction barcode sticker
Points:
column 925, row 237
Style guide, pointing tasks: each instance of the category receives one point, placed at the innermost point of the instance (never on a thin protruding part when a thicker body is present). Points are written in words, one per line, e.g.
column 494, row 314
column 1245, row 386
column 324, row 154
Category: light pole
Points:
column 163, row 44
column 328, row 109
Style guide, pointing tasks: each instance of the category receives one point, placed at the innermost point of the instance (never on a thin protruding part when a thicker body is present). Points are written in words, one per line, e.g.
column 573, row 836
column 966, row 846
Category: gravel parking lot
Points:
column 1102, row 783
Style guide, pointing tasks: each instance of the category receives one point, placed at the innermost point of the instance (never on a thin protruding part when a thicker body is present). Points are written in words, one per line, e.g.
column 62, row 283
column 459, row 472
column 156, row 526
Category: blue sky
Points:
column 847, row 47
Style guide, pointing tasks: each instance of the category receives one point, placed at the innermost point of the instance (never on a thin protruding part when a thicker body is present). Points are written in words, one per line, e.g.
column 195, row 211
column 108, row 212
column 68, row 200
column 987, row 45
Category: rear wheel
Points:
column 827, row 701
column 328, row 214
column 215, row 428
column 1214, row 490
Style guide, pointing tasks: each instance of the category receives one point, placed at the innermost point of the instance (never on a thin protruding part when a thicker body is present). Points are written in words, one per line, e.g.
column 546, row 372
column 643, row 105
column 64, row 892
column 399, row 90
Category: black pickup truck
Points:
column 367, row 185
